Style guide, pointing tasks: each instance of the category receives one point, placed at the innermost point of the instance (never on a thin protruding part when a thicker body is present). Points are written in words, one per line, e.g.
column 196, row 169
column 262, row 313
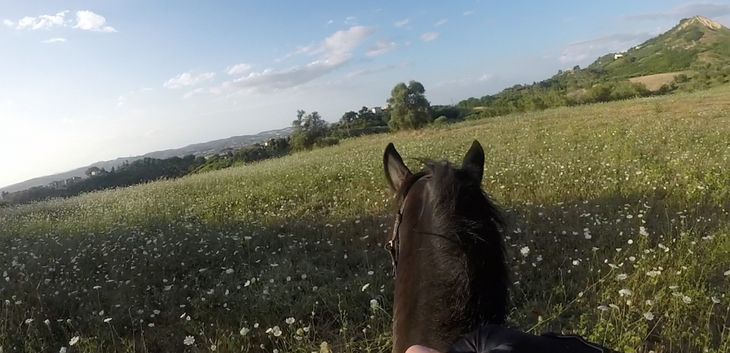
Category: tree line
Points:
column 146, row 170
column 407, row 108
column 129, row 173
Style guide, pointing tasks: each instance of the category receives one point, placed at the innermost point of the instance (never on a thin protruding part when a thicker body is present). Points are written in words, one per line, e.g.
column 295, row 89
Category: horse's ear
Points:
column 395, row 170
column 474, row 161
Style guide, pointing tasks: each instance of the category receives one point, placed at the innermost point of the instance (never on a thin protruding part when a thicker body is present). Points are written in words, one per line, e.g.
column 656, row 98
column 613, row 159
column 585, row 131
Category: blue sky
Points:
column 83, row 81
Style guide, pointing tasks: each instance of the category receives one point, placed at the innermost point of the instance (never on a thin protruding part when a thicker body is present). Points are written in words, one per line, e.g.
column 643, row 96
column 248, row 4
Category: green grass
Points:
column 624, row 208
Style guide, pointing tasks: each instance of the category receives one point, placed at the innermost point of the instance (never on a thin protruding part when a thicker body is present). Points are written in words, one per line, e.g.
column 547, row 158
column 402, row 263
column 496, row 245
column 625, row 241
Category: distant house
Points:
column 72, row 180
column 376, row 110
column 618, row 55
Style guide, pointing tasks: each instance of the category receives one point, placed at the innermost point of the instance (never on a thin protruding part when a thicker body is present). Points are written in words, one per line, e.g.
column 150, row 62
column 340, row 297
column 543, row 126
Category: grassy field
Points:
column 619, row 230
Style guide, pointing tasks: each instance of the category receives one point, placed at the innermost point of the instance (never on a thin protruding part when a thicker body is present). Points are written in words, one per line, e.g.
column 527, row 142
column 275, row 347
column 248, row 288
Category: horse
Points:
column 451, row 277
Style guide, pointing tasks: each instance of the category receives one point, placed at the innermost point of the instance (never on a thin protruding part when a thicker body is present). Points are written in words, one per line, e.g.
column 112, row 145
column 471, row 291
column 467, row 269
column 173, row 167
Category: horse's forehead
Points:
column 415, row 210
column 417, row 193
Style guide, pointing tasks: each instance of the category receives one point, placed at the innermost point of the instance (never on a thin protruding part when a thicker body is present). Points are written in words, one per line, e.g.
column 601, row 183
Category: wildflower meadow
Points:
column 618, row 230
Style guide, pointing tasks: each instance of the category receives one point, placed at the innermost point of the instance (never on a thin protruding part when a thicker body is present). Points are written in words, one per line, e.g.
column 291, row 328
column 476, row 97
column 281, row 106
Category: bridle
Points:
column 393, row 245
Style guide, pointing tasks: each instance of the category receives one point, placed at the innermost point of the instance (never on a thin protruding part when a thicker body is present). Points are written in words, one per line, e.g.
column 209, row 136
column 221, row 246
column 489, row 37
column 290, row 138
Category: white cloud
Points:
column 339, row 46
column 238, row 69
column 40, row 22
column 485, row 77
column 188, row 79
column 381, row 47
column 441, row 22
column 333, row 52
column 372, row 71
column 402, row 23
column 90, row 21
column 429, row 36
column 350, row 20
column 468, row 13
column 194, row 92
column 85, row 20
column 591, row 49
column 54, row 40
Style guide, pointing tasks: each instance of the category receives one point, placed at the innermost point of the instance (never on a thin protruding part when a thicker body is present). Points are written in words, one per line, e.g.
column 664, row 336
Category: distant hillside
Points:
column 695, row 54
column 198, row 149
column 694, row 41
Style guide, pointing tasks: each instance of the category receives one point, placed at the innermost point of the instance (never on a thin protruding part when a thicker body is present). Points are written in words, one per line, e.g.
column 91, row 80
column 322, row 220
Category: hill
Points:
column 623, row 207
column 695, row 54
column 694, row 42
column 198, row 149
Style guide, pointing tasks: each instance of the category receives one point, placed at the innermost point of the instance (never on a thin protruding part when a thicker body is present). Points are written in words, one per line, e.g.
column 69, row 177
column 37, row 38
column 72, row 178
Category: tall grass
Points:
column 619, row 230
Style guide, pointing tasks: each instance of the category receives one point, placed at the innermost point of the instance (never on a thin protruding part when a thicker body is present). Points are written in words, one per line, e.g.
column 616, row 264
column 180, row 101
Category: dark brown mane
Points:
column 465, row 214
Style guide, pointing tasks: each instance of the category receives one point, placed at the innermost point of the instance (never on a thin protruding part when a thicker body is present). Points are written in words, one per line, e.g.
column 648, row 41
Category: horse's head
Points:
column 448, row 256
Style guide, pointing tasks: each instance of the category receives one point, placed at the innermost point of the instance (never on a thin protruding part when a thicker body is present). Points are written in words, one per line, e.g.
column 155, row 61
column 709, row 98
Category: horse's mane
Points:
column 464, row 214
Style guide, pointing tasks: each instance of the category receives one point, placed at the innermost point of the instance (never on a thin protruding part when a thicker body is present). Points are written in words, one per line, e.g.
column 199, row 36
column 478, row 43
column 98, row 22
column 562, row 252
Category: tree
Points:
column 309, row 130
column 409, row 108
column 367, row 118
column 349, row 120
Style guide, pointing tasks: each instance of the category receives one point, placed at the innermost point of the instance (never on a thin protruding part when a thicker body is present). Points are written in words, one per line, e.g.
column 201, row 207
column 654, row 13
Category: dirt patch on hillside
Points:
column 656, row 81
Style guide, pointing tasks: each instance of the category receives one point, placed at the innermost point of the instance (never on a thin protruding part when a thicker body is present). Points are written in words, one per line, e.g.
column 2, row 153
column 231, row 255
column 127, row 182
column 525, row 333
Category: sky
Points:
column 85, row 81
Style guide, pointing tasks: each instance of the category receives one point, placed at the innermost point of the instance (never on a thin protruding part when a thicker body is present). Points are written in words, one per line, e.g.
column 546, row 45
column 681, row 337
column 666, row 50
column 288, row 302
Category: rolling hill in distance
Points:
column 693, row 48
column 693, row 42
column 198, row 149
column 688, row 47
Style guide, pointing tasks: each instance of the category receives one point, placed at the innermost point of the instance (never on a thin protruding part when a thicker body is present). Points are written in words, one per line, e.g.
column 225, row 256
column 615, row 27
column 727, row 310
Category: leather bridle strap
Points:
column 393, row 245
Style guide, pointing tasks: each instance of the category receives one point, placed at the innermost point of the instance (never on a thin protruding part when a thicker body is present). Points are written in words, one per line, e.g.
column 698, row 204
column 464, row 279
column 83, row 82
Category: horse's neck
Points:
column 430, row 307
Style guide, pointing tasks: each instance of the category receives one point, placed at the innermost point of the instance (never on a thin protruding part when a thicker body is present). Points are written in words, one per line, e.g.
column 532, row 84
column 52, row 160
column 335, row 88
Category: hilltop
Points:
column 692, row 43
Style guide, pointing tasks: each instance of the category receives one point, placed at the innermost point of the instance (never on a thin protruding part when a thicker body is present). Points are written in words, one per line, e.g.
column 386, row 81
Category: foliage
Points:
column 273, row 148
column 148, row 169
column 705, row 77
column 450, row 112
column 136, row 172
column 566, row 88
column 618, row 229
column 309, row 131
column 440, row 121
column 409, row 108
column 365, row 121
